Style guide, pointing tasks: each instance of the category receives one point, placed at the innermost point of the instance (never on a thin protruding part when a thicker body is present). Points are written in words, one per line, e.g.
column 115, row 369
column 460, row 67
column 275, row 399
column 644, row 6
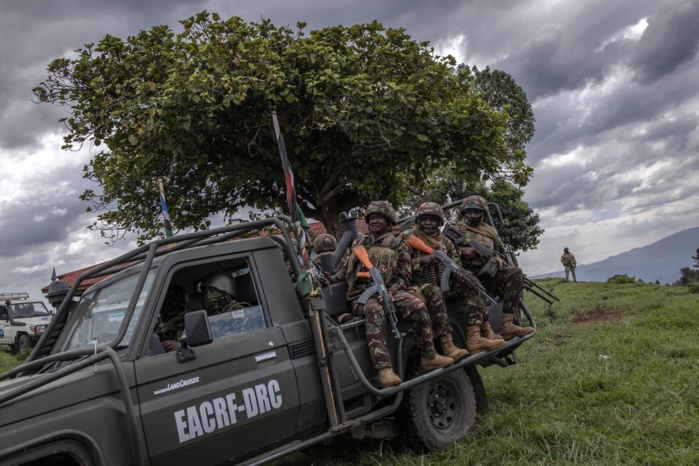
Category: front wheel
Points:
column 440, row 412
column 24, row 343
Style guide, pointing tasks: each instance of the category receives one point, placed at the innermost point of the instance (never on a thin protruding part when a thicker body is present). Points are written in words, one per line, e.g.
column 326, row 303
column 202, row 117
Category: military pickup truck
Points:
column 99, row 388
column 22, row 320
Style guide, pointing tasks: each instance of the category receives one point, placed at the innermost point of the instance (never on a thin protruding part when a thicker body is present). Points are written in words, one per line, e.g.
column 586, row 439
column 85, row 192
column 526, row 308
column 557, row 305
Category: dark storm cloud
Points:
column 670, row 41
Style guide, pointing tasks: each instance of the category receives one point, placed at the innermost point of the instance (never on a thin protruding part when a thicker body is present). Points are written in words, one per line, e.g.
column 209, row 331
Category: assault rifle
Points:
column 378, row 287
column 450, row 267
column 455, row 235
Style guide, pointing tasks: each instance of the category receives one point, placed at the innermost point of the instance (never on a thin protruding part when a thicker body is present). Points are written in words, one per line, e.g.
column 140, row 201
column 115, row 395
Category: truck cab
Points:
column 22, row 320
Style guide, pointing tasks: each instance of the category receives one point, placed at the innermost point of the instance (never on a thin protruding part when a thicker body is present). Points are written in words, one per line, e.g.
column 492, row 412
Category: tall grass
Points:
column 610, row 378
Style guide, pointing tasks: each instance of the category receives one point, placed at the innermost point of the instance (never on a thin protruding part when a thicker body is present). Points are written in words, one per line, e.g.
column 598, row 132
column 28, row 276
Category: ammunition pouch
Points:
column 488, row 270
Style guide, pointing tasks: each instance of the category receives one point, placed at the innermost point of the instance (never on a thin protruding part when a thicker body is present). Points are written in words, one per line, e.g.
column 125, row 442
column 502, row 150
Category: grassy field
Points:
column 610, row 378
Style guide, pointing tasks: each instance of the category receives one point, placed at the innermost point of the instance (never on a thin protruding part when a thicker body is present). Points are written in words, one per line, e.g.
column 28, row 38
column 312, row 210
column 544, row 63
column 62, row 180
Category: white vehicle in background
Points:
column 22, row 320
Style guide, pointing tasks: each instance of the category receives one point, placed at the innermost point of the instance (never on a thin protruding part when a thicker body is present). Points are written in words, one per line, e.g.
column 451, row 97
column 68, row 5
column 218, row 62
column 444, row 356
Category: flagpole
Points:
column 166, row 214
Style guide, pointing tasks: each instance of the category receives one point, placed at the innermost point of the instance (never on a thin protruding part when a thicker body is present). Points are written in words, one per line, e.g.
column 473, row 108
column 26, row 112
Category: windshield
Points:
column 36, row 309
column 100, row 315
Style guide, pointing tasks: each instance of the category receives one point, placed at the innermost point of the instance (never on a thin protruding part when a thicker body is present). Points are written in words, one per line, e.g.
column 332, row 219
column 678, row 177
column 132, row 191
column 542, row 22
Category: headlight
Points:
column 38, row 329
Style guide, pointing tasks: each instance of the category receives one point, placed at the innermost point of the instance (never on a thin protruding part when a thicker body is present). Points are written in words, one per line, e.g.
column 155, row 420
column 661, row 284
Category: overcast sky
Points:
column 614, row 86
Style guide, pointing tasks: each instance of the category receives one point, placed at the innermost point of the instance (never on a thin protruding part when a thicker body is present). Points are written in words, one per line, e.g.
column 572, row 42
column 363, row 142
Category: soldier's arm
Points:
column 400, row 280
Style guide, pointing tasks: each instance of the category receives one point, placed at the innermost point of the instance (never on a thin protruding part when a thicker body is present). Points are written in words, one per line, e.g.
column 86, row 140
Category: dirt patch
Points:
column 600, row 315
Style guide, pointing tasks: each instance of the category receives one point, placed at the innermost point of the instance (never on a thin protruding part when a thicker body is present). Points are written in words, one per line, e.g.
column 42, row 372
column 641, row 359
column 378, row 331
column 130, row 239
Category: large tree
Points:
column 365, row 112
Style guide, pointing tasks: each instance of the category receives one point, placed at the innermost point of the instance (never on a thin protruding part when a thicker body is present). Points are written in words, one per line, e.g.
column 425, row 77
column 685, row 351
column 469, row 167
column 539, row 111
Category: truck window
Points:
column 100, row 315
column 241, row 314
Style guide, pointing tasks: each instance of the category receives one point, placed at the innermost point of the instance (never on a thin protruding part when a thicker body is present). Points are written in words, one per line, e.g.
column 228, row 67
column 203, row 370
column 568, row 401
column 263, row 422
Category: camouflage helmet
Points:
column 324, row 243
column 430, row 208
column 474, row 202
column 565, row 249
column 220, row 281
column 384, row 208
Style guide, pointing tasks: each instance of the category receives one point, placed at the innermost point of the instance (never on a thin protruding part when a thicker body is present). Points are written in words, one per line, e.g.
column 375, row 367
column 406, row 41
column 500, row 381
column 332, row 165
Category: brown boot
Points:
column 387, row 378
column 477, row 344
column 450, row 349
column 487, row 332
column 509, row 330
column 436, row 362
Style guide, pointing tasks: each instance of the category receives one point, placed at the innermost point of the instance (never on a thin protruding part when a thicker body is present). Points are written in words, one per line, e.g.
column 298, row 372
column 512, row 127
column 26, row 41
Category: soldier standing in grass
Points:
column 426, row 280
column 507, row 281
column 391, row 256
column 568, row 261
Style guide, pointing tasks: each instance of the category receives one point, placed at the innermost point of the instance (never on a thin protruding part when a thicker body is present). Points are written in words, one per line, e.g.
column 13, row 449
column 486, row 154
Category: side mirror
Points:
column 197, row 329
column 197, row 332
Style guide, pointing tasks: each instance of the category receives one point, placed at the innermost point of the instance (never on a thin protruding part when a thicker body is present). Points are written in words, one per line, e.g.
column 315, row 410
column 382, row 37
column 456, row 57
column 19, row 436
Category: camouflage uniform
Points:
column 391, row 256
column 323, row 245
column 171, row 319
column 568, row 261
column 506, row 281
column 428, row 281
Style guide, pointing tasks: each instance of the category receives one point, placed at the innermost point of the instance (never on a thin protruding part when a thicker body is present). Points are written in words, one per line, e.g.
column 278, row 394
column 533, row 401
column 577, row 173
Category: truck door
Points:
column 238, row 395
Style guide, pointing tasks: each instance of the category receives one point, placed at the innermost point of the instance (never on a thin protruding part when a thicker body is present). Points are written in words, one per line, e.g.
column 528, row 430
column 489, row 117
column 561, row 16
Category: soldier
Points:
column 507, row 281
column 426, row 279
column 218, row 289
column 568, row 261
column 391, row 256
column 171, row 319
column 324, row 245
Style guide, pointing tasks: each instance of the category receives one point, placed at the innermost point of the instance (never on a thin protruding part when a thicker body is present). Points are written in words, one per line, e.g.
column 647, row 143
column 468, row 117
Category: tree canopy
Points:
column 366, row 112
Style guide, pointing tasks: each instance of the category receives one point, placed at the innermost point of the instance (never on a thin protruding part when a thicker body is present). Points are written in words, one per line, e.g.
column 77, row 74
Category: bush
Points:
column 693, row 288
column 621, row 279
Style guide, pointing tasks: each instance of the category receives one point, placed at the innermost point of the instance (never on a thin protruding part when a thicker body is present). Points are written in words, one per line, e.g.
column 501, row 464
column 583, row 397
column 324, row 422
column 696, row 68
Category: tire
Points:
column 438, row 413
column 24, row 343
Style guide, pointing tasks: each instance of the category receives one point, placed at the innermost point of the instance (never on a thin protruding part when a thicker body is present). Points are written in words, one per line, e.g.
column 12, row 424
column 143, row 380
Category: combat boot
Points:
column 510, row 330
column 450, row 350
column 475, row 343
column 387, row 378
column 487, row 332
column 436, row 362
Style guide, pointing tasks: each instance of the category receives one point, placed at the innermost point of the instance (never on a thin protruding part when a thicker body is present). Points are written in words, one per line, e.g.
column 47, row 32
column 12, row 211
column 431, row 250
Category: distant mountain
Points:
column 659, row 261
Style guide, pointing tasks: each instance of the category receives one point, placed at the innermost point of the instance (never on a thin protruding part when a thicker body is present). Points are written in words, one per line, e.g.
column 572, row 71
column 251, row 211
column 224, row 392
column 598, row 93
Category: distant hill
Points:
column 659, row 261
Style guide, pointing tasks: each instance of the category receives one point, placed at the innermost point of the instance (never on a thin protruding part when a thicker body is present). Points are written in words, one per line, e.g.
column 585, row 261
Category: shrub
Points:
column 621, row 279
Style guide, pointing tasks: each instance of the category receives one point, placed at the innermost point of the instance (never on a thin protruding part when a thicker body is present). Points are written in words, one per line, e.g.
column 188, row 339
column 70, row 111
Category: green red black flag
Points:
column 297, row 217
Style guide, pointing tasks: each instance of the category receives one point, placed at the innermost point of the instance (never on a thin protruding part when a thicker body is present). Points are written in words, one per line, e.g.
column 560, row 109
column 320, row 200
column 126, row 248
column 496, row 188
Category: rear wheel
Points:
column 24, row 343
column 440, row 412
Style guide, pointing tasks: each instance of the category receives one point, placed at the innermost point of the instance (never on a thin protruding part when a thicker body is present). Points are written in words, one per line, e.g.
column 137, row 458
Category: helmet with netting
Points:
column 384, row 208
column 220, row 281
column 474, row 202
column 324, row 243
column 430, row 208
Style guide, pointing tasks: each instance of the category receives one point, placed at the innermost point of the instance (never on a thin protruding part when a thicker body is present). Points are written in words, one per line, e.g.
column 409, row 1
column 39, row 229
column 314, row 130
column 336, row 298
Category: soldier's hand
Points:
column 171, row 345
column 323, row 281
column 426, row 260
column 468, row 252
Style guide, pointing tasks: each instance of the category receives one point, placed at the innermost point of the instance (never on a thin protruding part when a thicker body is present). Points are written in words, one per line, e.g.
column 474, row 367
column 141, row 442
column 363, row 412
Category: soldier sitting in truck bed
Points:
column 391, row 256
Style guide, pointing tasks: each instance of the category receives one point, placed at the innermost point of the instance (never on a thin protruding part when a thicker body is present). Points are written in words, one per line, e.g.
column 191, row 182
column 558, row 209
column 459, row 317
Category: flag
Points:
column 163, row 206
column 297, row 218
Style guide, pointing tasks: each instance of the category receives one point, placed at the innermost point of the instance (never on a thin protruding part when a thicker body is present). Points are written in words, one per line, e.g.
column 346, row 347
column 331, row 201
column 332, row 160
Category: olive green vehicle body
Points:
column 99, row 389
